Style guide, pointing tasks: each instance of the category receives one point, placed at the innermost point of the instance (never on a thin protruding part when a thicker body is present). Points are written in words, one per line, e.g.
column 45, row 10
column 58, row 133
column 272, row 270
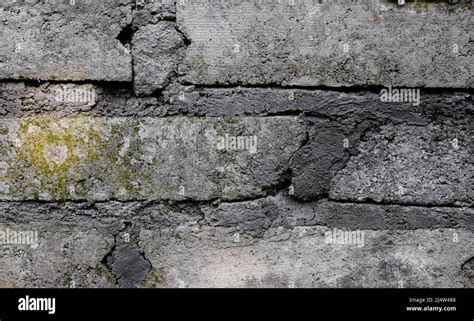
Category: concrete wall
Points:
column 213, row 143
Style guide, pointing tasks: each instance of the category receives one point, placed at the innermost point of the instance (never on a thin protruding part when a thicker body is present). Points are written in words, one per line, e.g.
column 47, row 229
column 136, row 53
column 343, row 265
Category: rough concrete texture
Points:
column 98, row 159
column 59, row 41
column 276, row 242
column 301, row 258
column 238, row 144
column 272, row 241
column 409, row 164
column 330, row 44
column 156, row 52
column 64, row 256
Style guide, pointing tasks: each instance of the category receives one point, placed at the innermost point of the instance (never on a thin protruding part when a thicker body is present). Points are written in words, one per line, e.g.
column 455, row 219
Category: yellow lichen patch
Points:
column 155, row 278
column 51, row 147
column 376, row 18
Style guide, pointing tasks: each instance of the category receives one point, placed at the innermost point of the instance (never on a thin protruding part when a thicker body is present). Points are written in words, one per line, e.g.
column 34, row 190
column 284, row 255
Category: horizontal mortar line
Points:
column 164, row 117
column 330, row 226
column 48, row 114
column 403, row 204
column 144, row 202
column 170, row 114
column 37, row 82
column 94, row 113
column 249, row 114
column 348, row 89
column 392, row 227
column 220, row 201
column 135, row 220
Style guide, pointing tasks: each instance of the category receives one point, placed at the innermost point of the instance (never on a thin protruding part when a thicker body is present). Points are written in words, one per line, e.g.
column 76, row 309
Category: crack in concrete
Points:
column 126, row 261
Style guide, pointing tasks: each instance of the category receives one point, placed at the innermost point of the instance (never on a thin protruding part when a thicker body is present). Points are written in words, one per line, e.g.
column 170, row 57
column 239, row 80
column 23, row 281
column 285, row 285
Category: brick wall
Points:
column 248, row 143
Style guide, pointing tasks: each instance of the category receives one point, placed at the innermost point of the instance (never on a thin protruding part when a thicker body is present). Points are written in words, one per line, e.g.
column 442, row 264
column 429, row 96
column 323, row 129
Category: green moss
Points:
column 154, row 278
column 420, row 4
column 231, row 121
column 124, row 174
column 198, row 64
column 101, row 271
column 441, row 5
column 294, row 69
column 40, row 134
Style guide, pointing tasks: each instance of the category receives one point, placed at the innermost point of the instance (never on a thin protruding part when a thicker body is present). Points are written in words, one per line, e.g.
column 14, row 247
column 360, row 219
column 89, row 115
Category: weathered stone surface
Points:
column 147, row 12
column 410, row 164
column 59, row 41
column 65, row 256
column 157, row 50
column 273, row 241
column 139, row 183
column 191, row 256
column 85, row 158
column 331, row 44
